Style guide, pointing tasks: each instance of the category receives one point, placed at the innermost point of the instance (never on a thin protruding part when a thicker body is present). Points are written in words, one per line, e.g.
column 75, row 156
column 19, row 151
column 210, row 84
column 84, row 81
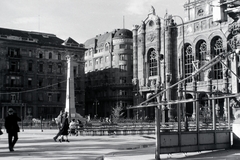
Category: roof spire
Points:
column 152, row 10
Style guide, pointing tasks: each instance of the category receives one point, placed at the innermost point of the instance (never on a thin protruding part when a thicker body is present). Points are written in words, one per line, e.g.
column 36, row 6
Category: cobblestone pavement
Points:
column 35, row 144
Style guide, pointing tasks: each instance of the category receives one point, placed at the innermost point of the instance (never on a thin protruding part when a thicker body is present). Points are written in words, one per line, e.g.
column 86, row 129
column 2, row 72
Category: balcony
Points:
column 14, row 71
column 14, row 86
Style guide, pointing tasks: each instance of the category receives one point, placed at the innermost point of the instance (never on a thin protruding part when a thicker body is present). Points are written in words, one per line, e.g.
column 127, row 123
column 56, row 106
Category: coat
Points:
column 65, row 127
column 11, row 123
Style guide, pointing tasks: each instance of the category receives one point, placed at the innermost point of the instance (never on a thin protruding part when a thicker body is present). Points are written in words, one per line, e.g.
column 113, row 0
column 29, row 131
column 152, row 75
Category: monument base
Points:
column 77, row 116
column 236, row 135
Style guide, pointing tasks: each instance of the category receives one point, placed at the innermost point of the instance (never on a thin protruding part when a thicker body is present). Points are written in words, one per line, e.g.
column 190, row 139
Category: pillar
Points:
column 135, row 54
column 143, row 50
column 171, row 70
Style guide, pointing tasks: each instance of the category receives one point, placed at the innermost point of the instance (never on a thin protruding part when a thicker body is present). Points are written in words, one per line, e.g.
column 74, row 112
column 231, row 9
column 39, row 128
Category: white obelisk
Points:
column 70, row 95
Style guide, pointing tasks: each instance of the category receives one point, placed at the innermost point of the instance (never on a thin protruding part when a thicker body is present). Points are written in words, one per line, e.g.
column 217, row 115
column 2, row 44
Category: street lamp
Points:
column 96, row 103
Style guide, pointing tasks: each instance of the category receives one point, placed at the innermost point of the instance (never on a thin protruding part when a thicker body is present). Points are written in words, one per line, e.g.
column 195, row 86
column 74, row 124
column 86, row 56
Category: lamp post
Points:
column 96, row 103
column 22, row 116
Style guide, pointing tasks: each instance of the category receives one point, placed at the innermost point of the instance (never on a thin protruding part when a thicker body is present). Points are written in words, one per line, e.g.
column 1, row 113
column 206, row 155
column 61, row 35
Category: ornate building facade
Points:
column 166, row 53
column 33, row 73
column 108, row 68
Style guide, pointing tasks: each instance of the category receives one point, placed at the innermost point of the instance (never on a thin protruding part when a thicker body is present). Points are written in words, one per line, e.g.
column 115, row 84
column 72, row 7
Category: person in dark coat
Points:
column 12, row 128
column 65, row 128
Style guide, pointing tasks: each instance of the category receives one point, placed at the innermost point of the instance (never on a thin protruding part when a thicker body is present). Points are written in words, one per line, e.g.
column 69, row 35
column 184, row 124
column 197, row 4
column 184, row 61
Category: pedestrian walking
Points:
column 59, row 121
column 12, row 128
column 64, row 131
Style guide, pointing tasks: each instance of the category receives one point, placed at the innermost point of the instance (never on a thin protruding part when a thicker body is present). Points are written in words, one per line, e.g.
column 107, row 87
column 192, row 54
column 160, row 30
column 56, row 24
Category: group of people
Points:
column 63, row 128
column 12, row 128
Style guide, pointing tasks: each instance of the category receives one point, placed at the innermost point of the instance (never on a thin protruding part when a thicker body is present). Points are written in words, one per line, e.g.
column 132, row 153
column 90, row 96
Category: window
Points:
column 59, row 56
column 40, row 55
column 101, row 60
column 96, row 61
column 123, row 68
column 40, row 97
column 106, row 47
column 59, row 69
column 90, row 52
column 40, row 82
column 49, row 97
column 201, row 55
column 40, row 67
column 14, row 81
column 13, row 66
column 29, row 82
column 59, row 84
column 74, row 71
column 122, row 46
column 30, row 66
column 58, row 97
column 50, row 55
column 50, row 68
column 13, row 52
column 30, row 53
column 188, row 62
column 123, row 80
column 152, row 63
column 90, row 63
column 216, row 49
column 202, row 51
column 13, row 97
column 122, row 93
column 123, row 57
column 106, row 58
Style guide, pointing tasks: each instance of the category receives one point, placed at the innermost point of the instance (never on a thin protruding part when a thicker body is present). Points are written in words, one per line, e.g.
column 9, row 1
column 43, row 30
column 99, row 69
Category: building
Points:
column 165, row 53
column 108, row 68
column 33, row 73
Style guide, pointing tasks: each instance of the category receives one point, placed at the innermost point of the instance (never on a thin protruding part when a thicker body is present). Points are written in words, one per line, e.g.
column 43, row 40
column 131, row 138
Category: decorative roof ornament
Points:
column 152, row 10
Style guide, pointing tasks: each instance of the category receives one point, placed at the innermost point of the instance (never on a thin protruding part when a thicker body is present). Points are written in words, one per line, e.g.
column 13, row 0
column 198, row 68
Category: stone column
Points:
column 171, row 70
column 143, row 50
column 158, row 48
column 135, row 54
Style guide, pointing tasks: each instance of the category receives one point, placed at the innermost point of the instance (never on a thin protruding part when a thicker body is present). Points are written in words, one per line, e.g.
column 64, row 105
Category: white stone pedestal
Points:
column 236, row 135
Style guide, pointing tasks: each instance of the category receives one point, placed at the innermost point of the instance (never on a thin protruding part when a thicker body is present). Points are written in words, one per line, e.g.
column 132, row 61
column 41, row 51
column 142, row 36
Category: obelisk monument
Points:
column 70, row 95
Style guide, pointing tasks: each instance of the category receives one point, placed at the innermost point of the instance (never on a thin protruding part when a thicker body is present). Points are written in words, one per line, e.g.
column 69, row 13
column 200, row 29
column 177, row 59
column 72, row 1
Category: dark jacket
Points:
column 65, row 127
column 11, row 124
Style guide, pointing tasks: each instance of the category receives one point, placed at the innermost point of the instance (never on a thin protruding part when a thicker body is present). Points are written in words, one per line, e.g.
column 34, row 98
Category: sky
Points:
column 81, row 19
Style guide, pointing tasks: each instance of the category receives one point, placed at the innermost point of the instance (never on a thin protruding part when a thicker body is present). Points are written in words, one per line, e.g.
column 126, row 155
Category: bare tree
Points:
column 116, row 113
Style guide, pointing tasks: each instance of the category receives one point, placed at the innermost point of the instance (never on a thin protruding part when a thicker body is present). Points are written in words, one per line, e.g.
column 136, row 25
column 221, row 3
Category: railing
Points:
column 124, row 128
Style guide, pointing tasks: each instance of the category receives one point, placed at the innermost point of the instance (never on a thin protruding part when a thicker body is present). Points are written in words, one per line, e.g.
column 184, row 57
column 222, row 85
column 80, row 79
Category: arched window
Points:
column 201, row 54
column 216, row 49
column 201, row 50
column 152, row 63
column 188, row 61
